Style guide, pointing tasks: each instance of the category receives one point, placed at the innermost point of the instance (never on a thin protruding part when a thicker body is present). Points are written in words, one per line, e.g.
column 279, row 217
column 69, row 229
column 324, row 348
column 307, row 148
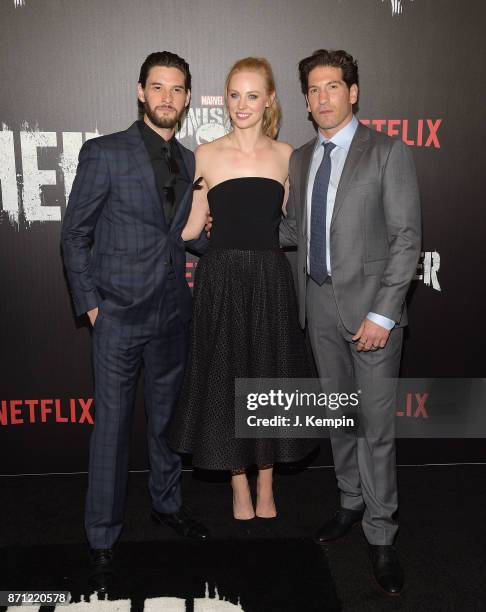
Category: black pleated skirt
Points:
column 245, row 325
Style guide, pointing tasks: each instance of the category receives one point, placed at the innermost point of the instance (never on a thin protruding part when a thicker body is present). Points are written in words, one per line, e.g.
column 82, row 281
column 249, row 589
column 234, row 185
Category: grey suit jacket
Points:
column 375, row 234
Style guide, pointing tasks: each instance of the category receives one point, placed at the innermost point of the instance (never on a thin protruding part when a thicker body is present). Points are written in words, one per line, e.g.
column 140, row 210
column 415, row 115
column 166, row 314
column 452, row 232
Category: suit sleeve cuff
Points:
column 85, row 301
column 381, row 320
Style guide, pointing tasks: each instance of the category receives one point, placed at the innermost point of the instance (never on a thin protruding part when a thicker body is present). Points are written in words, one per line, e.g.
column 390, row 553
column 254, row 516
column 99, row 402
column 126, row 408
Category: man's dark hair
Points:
column 337, row 59
column 167, row 59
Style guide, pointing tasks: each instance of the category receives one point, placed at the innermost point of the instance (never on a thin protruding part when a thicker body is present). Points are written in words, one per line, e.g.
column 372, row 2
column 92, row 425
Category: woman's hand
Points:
column 209, row 225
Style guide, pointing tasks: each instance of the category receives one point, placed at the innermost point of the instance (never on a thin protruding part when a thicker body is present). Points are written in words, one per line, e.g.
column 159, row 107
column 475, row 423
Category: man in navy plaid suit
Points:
column 125, row 262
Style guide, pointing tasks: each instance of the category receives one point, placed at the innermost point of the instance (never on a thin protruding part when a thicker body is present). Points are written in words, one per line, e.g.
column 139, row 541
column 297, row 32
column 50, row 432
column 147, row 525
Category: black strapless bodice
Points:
column 246, row 213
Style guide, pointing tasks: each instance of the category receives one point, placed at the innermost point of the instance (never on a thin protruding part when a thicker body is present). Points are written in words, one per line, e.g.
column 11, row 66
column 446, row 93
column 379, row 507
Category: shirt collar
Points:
column 153, row 141
column 342, row 138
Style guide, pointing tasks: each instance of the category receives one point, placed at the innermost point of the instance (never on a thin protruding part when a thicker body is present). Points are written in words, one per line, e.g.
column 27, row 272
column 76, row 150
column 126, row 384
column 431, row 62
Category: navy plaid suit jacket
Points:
column 116, row 243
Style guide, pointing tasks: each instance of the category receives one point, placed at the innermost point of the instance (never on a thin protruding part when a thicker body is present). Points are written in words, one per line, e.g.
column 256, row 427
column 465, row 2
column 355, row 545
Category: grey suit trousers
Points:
column 365, row 463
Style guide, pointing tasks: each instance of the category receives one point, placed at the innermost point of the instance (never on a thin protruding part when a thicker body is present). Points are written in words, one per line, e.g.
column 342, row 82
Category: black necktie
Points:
column 317, row 250
column 169, row 185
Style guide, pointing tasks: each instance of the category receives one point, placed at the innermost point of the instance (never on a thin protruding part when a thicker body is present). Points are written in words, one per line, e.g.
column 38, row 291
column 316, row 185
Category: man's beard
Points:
column 168, row 122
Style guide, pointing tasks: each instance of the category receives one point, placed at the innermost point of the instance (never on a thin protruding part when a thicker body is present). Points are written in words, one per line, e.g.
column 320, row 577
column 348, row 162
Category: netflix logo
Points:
column 414, row 406
column 419, row 133
column 190, row 269
column 25, row 412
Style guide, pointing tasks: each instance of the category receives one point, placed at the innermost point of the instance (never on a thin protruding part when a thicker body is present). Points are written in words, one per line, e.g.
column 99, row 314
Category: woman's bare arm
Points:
column 286, row 151
column 200, row 208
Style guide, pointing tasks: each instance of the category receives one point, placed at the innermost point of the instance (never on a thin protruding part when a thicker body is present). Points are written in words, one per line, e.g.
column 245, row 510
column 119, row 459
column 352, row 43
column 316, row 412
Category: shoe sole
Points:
column 379, row 588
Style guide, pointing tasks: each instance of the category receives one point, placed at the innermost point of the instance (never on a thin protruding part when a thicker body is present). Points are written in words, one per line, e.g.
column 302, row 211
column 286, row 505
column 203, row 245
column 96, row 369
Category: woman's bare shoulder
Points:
column 283, row 148
column 202, row 150
column 211, row 148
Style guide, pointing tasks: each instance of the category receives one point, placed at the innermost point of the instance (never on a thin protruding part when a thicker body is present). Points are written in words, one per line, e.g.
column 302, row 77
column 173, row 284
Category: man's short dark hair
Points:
column 167, row 59
column 336, row 59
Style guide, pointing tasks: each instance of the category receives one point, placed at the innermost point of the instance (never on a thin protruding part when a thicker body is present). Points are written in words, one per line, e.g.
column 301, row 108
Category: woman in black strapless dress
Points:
column 245, row 321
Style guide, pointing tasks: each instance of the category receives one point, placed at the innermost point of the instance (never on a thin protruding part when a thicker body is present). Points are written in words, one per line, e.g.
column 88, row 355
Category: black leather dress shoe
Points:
column 182, row 524
column 102, row 572
column 338, row 526
column 387, row 570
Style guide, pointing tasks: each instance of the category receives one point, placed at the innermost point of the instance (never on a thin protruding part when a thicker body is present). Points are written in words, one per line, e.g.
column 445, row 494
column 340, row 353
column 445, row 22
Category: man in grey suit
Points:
column 354, row 213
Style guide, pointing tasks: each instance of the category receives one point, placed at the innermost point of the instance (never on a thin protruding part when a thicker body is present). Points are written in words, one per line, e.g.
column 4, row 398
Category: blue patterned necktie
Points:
column 317, row 251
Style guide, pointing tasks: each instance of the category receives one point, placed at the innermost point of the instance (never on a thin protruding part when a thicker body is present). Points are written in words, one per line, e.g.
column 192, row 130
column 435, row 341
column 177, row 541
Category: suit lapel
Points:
column 144, row 167
column 305, row 169
column 358, row 145
column 188, row 157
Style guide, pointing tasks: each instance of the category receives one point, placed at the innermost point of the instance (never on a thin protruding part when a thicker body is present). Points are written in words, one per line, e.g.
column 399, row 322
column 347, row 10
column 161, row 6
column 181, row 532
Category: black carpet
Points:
column 258, row 575
column 441, row 542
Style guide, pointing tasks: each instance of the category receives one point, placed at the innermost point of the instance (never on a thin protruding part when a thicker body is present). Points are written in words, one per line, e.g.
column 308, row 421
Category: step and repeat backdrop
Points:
column 69, row 71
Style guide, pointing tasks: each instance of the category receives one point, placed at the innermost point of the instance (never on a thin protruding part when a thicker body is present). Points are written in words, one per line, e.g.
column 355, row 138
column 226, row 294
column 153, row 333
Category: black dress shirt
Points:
column 155, row 149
